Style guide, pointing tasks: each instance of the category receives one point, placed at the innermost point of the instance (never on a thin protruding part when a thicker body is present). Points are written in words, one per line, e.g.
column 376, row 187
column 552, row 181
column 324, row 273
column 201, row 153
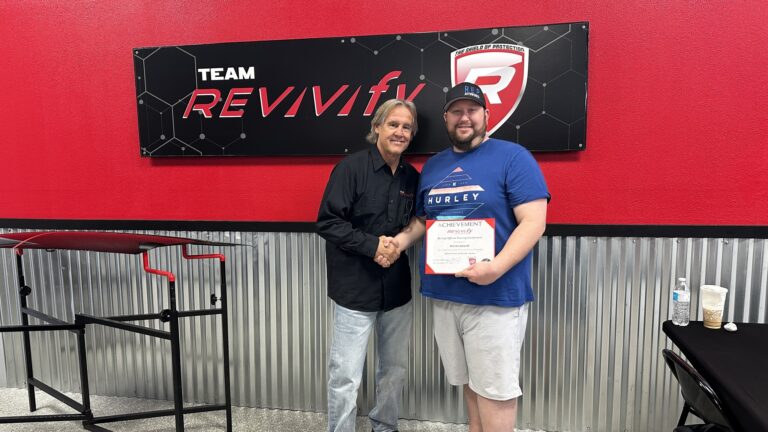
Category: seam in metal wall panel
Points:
column 6, row 304
column 590, row 362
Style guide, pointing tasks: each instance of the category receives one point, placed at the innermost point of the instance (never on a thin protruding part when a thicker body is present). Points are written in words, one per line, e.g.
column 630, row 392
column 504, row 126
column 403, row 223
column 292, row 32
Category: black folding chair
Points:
column 700, row 399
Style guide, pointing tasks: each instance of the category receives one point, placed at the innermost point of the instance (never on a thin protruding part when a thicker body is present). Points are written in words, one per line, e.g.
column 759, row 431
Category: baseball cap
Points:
column 466, row 91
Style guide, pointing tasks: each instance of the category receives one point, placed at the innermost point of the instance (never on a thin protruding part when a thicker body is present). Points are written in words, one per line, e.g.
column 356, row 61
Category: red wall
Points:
column 677, row 128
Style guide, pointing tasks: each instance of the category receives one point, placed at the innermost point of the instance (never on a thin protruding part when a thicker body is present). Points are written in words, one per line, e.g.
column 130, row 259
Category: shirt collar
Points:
column 377, row 160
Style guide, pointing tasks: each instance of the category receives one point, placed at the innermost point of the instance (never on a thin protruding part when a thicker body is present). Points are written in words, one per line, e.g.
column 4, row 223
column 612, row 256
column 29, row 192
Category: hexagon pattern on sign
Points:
column 316, row 96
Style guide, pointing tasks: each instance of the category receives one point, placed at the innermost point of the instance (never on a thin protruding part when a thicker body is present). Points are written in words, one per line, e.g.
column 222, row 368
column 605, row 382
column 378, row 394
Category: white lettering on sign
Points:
column 226, row 74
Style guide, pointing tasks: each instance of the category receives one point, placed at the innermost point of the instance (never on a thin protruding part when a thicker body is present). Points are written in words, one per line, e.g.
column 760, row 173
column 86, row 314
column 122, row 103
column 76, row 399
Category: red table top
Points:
column 96, row 241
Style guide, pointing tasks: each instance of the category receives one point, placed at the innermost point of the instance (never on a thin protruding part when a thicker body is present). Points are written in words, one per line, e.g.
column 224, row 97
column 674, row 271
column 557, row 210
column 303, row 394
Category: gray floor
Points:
column 13, row 402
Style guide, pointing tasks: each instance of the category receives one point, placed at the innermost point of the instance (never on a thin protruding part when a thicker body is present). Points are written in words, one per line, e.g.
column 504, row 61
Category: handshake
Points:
column 388, row 251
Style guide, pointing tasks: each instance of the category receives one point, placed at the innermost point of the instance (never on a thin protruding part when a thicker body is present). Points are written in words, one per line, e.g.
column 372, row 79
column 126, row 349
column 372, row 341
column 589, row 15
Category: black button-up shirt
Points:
column 362, row 201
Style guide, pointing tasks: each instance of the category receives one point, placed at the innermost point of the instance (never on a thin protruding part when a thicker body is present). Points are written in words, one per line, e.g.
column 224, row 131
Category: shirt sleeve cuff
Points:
column 371, row 245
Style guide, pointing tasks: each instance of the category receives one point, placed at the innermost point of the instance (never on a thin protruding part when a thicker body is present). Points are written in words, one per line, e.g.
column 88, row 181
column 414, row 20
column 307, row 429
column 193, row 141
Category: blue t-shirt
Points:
column 486, row 182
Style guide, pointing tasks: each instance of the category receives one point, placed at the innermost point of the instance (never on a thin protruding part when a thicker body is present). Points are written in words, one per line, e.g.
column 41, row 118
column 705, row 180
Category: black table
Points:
column 126, row 243
column 734, row 363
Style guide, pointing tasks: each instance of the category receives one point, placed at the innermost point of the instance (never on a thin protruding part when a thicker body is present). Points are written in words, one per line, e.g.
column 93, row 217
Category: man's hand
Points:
column 482, row 273
column 388, row 251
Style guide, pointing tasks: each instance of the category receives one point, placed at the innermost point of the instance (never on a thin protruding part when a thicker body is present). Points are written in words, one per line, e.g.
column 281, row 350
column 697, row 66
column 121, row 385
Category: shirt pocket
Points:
column 405, row 208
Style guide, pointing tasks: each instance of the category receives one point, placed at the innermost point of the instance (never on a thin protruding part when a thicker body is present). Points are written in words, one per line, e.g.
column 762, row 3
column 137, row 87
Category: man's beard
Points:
column 466, row 144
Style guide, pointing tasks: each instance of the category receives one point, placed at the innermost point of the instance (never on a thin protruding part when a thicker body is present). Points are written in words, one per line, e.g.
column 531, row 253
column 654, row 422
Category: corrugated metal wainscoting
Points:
column 591, row 360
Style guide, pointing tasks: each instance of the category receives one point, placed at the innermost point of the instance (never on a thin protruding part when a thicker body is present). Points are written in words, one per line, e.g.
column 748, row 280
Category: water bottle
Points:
column 681, row 303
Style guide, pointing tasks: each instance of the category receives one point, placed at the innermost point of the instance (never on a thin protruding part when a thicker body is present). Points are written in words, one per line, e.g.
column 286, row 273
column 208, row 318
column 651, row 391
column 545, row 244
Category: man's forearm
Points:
column 519, row 244
column 410, row 233
column 342, row 234
column 531, row 222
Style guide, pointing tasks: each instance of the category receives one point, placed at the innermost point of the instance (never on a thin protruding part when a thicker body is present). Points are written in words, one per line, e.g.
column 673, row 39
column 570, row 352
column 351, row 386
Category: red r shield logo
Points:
column 500, row 70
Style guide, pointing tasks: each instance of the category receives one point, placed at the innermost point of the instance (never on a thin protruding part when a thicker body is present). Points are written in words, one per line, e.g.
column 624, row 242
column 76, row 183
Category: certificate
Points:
column 453, row 245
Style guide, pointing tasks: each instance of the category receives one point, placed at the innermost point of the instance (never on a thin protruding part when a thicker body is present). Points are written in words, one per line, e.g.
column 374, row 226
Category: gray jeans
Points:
column 351, row 330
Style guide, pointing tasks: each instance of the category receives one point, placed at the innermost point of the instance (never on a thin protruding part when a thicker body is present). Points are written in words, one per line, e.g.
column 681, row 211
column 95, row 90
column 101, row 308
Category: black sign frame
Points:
column 315, row 96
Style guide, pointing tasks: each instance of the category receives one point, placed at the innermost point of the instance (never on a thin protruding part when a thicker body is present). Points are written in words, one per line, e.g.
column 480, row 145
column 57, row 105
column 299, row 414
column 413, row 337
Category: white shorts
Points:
column 480, row 346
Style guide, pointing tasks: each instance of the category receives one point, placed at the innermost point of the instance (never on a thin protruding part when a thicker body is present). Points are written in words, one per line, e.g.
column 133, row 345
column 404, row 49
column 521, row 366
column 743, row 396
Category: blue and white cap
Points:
column 464, row 91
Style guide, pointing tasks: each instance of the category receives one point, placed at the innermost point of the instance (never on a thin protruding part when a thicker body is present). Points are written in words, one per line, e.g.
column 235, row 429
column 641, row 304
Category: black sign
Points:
column 316, row 96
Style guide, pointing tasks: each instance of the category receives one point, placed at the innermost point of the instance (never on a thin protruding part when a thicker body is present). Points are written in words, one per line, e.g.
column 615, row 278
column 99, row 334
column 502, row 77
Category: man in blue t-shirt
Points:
column 480, row 306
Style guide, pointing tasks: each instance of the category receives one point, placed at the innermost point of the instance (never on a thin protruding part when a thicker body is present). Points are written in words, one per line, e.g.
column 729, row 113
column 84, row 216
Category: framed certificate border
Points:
column 453, row 245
